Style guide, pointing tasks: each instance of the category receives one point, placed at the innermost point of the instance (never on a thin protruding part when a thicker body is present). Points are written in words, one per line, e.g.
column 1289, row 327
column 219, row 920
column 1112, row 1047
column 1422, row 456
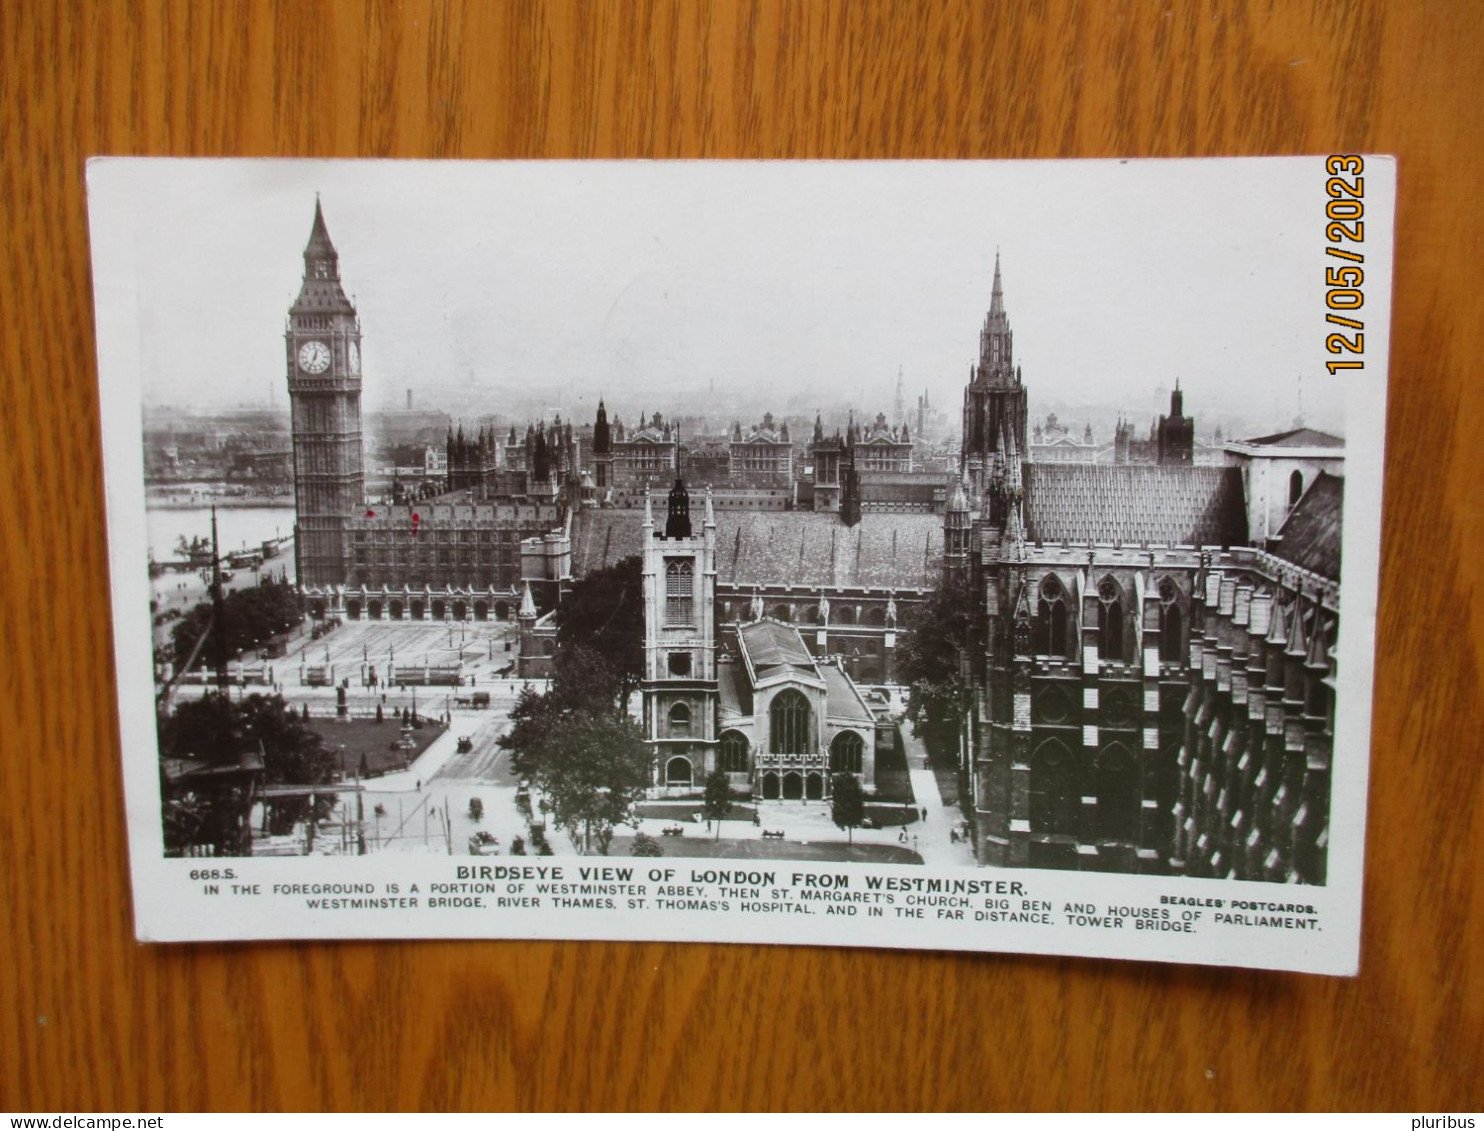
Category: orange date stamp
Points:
column 1344, row 228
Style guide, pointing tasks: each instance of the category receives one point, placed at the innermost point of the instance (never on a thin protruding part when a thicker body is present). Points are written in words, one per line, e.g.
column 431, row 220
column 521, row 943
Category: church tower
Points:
column 994, row 402
column 323, row 353
column 602, row 451
column 680, row 677
column 1175, row 433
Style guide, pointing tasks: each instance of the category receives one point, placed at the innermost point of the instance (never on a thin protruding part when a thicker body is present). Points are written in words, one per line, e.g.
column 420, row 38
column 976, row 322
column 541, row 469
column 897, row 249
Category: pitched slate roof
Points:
column 735, row 692
column 761, row 548
column 1298, row 438
column 1134, row 503
column 775, row 649
column 1310, row 536
column 843, row 701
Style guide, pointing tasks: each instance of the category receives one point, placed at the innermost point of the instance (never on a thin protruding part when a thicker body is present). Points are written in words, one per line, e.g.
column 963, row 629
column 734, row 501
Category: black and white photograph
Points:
column 712, row 550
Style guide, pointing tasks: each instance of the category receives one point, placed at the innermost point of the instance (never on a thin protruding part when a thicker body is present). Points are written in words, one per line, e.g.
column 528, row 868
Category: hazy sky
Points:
column 483, row 286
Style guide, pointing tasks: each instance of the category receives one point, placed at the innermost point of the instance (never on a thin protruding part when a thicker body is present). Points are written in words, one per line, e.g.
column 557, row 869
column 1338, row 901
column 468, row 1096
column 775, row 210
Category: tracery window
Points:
column 679, row 721
column 1111, row 628
column 789, row 716
column 732, row 753
column 679, row 592
column 1050, row 630
column 847, row 753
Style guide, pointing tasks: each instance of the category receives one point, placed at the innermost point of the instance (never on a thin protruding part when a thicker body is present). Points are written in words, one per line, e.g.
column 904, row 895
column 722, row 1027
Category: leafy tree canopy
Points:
column 593, row 769
column 646, row 845
column 218, row 731
column 719, row 797
column 604, row 612
column 847, row 802
column 248, row 615
column 930, row 660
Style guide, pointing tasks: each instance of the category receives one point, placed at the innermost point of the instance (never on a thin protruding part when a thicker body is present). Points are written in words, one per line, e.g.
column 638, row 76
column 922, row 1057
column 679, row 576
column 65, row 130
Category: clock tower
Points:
column 323, row 348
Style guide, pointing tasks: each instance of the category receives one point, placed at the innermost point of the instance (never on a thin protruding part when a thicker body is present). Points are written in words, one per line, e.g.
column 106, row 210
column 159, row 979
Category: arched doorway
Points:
column 481, row 610
column 438, row 610
column 353, row 609
column 418, row 608
column 770, row 786
column 814, row 787
column 678, row 772
column 396, row 610
column 459, row 610
column 793, row 786
column 502, row 610
column 317, row 609
column 373, row 610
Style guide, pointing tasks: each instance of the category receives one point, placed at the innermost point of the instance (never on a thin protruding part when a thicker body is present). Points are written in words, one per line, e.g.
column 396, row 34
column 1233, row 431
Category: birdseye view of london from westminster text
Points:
column 424, row 592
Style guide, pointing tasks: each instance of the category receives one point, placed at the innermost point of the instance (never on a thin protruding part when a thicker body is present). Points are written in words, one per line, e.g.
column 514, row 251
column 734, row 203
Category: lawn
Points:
column 371, row 741
column 686, row 810
column 726, row 848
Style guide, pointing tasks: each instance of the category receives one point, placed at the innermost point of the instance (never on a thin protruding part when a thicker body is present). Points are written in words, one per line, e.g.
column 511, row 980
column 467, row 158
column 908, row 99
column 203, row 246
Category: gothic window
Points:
column 679, row 721
column 732, row 754
column 1056, row 795
column 1111, row 628
column 1050, row 630
column 789, row 716
column 847, row 753
column 1295, row 488
column 1118, row 794
column 1171, row 646
column 679, row 592
column 678, row 771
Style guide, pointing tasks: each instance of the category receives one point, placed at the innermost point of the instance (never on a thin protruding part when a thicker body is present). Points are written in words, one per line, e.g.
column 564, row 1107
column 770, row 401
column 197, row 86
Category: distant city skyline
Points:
column 507, row 288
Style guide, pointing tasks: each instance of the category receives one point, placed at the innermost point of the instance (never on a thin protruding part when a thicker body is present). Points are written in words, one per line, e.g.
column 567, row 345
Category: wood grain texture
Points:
column 90, row 1020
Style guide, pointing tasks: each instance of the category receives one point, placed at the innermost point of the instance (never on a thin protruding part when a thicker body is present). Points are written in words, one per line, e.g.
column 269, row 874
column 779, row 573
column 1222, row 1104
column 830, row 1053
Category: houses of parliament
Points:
column 1150, row 669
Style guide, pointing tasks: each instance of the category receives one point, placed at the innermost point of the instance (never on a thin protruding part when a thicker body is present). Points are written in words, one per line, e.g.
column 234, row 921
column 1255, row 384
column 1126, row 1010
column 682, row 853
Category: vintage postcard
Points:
column 921, row 554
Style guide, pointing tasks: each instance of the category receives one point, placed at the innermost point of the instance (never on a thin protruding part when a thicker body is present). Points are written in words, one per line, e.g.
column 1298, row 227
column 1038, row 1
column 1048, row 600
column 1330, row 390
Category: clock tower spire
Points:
column 323, row 348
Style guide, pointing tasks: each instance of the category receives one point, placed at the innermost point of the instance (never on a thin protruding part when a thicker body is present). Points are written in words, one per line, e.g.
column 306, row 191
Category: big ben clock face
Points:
column 355, row 358
column 314, row 357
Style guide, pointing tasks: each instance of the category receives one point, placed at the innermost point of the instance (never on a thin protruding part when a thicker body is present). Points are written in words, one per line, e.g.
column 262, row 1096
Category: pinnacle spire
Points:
column 996, row 292
column 319, row 243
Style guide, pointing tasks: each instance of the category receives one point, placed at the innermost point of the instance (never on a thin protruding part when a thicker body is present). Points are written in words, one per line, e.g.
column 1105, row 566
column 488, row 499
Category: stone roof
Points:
column 804, row 548
column 1310, row 536
column 1134, row 503
column 1298, row 438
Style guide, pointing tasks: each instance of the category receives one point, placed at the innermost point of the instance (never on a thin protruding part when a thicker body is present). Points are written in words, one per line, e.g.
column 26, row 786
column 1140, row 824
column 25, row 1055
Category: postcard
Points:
column 896, row 554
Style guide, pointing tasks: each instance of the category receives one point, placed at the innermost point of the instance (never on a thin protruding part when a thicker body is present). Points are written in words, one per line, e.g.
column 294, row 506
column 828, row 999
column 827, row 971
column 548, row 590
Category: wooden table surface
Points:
column 89, row 1020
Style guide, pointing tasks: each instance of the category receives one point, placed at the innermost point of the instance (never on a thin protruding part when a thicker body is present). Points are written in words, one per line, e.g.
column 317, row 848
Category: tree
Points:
column 593, row 769
column 582, row 684
column 847, row 803
column 718, row 799
column 224, row 734
column 930, row 661
column 249, row 616
column 646, row 845
column 604, row 611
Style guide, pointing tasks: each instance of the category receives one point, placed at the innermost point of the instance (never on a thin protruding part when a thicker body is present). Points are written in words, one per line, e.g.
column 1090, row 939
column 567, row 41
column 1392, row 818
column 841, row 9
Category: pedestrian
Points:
column 924, row 813
column 419, row 785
